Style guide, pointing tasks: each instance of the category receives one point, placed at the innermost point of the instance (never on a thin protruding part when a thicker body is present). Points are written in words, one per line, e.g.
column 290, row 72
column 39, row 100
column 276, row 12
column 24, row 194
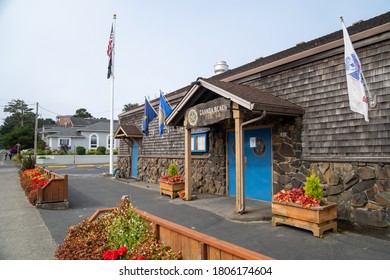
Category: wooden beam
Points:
column 238, row 116
column 187, row 161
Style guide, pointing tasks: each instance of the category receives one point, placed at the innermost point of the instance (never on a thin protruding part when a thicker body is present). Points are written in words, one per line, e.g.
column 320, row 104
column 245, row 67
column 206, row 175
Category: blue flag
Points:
column 164, row 111
column 149, row 115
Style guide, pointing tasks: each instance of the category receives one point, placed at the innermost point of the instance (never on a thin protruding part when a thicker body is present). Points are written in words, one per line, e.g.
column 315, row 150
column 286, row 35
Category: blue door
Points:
column 257, row 164
column 134, row 160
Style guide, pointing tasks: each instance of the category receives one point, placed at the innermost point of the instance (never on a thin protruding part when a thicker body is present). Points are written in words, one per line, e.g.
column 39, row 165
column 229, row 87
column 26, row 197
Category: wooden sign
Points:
column 208, row 113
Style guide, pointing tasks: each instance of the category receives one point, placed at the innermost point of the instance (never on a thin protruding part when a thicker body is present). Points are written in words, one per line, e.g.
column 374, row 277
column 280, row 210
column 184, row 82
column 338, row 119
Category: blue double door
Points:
column 257, row 164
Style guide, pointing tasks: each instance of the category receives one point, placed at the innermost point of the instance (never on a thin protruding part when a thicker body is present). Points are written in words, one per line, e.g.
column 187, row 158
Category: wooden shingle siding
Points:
column 330, row 128
column 171, row 144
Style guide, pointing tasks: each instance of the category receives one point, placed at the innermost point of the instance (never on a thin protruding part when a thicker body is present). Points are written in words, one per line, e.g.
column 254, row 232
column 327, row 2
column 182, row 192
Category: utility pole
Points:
column 36, row 134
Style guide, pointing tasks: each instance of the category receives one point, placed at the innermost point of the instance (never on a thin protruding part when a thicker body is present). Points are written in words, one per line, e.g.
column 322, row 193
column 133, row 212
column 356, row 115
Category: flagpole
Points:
column 165, row 98
column 112, row 99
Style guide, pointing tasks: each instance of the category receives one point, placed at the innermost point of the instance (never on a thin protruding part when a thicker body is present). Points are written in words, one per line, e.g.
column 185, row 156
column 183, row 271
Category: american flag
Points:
column 109, row 51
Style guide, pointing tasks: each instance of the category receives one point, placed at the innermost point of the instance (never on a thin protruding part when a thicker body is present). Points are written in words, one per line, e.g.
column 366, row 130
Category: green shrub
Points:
column 127, row 229
column 80, row 150
column 313, row 187
column 172, row 170
column 91, row 152
column 27, row 162
column 101, row 150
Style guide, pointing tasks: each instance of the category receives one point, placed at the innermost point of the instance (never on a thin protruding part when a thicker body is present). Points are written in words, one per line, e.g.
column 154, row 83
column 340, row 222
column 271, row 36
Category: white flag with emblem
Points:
column 355, row 83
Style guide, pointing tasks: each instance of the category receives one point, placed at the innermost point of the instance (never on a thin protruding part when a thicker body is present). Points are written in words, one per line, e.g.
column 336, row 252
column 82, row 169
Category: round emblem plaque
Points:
column 192, row 117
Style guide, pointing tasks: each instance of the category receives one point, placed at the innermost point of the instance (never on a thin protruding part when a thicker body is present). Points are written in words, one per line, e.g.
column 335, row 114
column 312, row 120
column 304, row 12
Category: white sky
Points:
column 54, row 51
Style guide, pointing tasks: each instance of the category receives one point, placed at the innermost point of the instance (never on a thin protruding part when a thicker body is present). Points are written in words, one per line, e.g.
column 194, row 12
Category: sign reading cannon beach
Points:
column 208, row 113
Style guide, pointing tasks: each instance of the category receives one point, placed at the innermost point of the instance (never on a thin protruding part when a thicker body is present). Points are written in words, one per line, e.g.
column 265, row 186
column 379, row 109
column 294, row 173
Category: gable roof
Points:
column 127, row 131
column 101, row 126
column 70, row 132
column 247, row 97
column 75, row 132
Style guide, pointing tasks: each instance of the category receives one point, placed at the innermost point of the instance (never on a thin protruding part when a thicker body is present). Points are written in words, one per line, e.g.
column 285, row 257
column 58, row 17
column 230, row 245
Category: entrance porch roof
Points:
column 247, row 97
column 127, row 131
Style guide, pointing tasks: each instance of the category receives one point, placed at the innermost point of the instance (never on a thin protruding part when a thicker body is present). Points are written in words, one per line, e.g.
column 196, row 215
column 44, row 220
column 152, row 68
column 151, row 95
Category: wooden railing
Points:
column 55, row 191
column 192, row 244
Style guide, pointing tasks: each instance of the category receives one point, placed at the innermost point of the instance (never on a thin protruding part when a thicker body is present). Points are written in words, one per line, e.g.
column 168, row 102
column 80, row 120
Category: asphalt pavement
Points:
column 35, row 233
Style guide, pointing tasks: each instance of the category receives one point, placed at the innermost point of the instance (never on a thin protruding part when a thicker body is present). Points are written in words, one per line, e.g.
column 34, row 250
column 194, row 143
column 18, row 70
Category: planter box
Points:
column 171, row 189
column 55, row 194
column 316, row 219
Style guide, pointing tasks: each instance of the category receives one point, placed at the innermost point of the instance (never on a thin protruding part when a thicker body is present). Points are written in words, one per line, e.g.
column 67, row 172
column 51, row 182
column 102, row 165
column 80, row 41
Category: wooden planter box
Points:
column 316, row 219
column 192, row 244
column 55, row 194
column 171, row 189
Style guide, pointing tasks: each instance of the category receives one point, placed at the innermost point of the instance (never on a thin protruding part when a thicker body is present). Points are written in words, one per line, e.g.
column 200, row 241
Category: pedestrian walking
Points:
column 5, row 154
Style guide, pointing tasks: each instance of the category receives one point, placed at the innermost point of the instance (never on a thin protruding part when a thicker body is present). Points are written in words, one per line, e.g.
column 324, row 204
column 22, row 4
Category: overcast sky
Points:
column 54, row 51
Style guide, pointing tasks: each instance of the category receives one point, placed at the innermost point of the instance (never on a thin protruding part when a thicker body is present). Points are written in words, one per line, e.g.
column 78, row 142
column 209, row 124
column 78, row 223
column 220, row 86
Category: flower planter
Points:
column 316, row 219
column 171, row 189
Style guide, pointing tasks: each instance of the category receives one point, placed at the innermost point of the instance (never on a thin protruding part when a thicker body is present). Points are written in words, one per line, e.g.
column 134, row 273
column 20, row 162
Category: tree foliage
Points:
column 82, row 113
column 19, row 126
column 129, row 106
column 19, row 110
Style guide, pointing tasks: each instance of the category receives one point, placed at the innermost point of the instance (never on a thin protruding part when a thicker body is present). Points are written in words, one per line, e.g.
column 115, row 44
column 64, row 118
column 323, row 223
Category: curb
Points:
column 80, row 165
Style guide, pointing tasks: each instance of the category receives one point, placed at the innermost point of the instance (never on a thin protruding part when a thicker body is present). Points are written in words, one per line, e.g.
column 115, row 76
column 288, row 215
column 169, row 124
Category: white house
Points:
column 90, row 137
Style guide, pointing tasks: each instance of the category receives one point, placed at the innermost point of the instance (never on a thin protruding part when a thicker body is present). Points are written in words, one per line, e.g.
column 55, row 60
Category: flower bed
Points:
column 117, row 235
column 31, row 180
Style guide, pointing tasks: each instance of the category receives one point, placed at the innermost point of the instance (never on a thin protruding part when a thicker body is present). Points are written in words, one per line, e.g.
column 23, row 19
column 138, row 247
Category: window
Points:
column 93, row 141
column 109, row 142
column 199, row 142
column 64, row 142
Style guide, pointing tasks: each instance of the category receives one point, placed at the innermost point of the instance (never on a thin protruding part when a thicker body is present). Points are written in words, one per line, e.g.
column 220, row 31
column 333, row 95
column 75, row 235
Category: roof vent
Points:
column 220, row 67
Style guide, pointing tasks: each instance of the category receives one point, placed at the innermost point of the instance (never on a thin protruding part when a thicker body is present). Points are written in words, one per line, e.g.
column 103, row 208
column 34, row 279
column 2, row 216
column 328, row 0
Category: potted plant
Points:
column 303, row 208
column 171, row 183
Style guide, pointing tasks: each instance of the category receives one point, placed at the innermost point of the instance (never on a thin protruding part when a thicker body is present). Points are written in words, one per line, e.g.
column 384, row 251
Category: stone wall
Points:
column 361, row 190
column 208, row 169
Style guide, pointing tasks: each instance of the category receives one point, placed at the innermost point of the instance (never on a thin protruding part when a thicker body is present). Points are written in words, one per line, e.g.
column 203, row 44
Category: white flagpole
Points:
column 112, row 99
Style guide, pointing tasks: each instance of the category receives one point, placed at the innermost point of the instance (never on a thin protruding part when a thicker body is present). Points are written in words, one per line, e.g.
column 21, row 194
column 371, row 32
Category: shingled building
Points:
column 292, row 111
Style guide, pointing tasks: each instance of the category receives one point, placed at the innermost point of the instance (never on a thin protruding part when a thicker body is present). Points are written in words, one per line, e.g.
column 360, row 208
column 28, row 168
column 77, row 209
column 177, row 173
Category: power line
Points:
column 54, row 113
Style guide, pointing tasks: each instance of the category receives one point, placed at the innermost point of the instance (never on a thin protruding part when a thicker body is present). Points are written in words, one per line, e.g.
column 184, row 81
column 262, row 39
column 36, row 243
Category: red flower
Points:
column 122, row 250
column 110, row 255
column 141, row 258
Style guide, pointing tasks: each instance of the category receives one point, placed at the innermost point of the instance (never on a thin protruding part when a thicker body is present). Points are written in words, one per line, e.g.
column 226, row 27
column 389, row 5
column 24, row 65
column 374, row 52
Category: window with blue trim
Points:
column 199, row 142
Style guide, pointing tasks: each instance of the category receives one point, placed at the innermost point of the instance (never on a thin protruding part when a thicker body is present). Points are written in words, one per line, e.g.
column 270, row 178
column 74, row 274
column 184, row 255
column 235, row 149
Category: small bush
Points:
column 32, row 197
column 172, row 170
column 127, row 228
column 313, row 187
column 80, row 150
column 85, row 241
column 101, row 150
column 27, row 163
column 91, row 152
